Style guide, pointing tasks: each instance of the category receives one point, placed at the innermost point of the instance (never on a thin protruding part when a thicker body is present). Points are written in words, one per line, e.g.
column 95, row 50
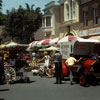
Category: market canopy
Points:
column 54, row 41
column 81, row 40
column 43, row 43
column 66, row 39
column 39, row 43
column 46, row 42
column 95, row 37
column 52, row 48
column 2, row 46
column 33, row 44
column 12, row 44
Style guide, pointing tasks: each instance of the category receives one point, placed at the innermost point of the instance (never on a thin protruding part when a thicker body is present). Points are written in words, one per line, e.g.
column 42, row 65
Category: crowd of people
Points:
column 70, row 63
column 52, row 64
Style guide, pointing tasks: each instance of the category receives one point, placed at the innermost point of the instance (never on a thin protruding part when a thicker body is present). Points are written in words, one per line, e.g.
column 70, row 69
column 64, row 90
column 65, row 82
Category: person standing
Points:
column 58, row 67
column 70, row 62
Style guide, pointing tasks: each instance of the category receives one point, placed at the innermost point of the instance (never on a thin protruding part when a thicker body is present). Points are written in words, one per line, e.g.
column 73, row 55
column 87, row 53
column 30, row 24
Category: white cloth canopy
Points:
column 2, row 46
column 12, row 44
column 46, row 42
column 54, row 41
column 43, row 43
column 33, row 44
column 67, row 39
column 87, row 40
column 39, row 43
column 50, row 49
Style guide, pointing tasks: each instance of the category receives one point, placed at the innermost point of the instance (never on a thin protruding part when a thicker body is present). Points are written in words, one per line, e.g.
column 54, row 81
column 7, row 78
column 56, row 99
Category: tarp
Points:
column 33, row 44
column 95, row 37
column 46, row 42
column 39, row 43
column 50, row 49
column 66, row 39
column 12, row 44
column 2, row 46
column 87, row 40
column 43, row 43
column 54, row 41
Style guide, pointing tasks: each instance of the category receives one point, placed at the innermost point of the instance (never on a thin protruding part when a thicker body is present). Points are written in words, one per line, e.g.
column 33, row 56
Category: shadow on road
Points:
column 2, row 90
column 25, row 82
column 2, row 99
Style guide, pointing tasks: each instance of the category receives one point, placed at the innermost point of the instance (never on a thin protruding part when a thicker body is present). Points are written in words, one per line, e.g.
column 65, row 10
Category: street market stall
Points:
column 51, row 48
column 11, row 53
column 80, row 47
column 54, row 42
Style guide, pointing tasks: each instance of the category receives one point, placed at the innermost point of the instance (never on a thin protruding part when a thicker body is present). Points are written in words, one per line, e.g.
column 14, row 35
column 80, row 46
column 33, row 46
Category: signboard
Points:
column 92, row 31
column 65, row 50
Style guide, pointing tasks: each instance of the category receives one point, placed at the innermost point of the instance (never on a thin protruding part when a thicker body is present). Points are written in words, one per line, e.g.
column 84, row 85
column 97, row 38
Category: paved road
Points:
column 45, row 89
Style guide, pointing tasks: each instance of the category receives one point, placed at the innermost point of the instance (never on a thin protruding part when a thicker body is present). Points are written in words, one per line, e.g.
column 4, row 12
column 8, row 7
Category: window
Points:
column 43, row 22
column 48, row 21
column 95, row 16
column 71, row 10
column 67, row 7
column 85, row 18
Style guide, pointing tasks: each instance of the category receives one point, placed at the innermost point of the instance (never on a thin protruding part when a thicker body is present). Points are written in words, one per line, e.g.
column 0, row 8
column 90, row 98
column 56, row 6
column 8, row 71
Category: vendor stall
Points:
column 54, row 42
column 79, row 47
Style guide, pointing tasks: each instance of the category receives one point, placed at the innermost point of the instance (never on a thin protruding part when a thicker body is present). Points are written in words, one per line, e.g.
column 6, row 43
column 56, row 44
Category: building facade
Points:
column 70, row 25
column 90, row 19
column 51, row 20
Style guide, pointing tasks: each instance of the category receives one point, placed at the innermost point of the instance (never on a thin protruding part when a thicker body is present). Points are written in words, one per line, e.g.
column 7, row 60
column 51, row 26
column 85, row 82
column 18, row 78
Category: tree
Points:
column 21, row 23
column 0, row 4
column 2, row 16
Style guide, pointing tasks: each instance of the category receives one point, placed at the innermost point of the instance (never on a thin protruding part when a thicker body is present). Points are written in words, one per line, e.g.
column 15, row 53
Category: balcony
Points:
column 70, row 22
column 47, row 29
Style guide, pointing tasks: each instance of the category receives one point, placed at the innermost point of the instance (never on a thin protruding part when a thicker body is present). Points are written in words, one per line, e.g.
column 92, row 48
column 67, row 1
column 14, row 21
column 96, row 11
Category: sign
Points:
column 65, row 50
column 93, row 31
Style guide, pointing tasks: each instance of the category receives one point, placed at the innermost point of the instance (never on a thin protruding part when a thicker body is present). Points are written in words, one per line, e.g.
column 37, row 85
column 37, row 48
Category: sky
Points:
column 9, row 4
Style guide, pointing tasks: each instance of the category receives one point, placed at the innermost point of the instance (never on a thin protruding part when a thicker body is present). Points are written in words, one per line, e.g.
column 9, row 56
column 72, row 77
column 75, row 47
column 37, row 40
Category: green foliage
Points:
column 21, row 23
column 2, row 19
column 0, row 4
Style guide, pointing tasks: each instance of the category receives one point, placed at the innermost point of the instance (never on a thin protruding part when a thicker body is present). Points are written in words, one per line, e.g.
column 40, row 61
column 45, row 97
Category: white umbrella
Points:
column 2, row 46
column 12, row 44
